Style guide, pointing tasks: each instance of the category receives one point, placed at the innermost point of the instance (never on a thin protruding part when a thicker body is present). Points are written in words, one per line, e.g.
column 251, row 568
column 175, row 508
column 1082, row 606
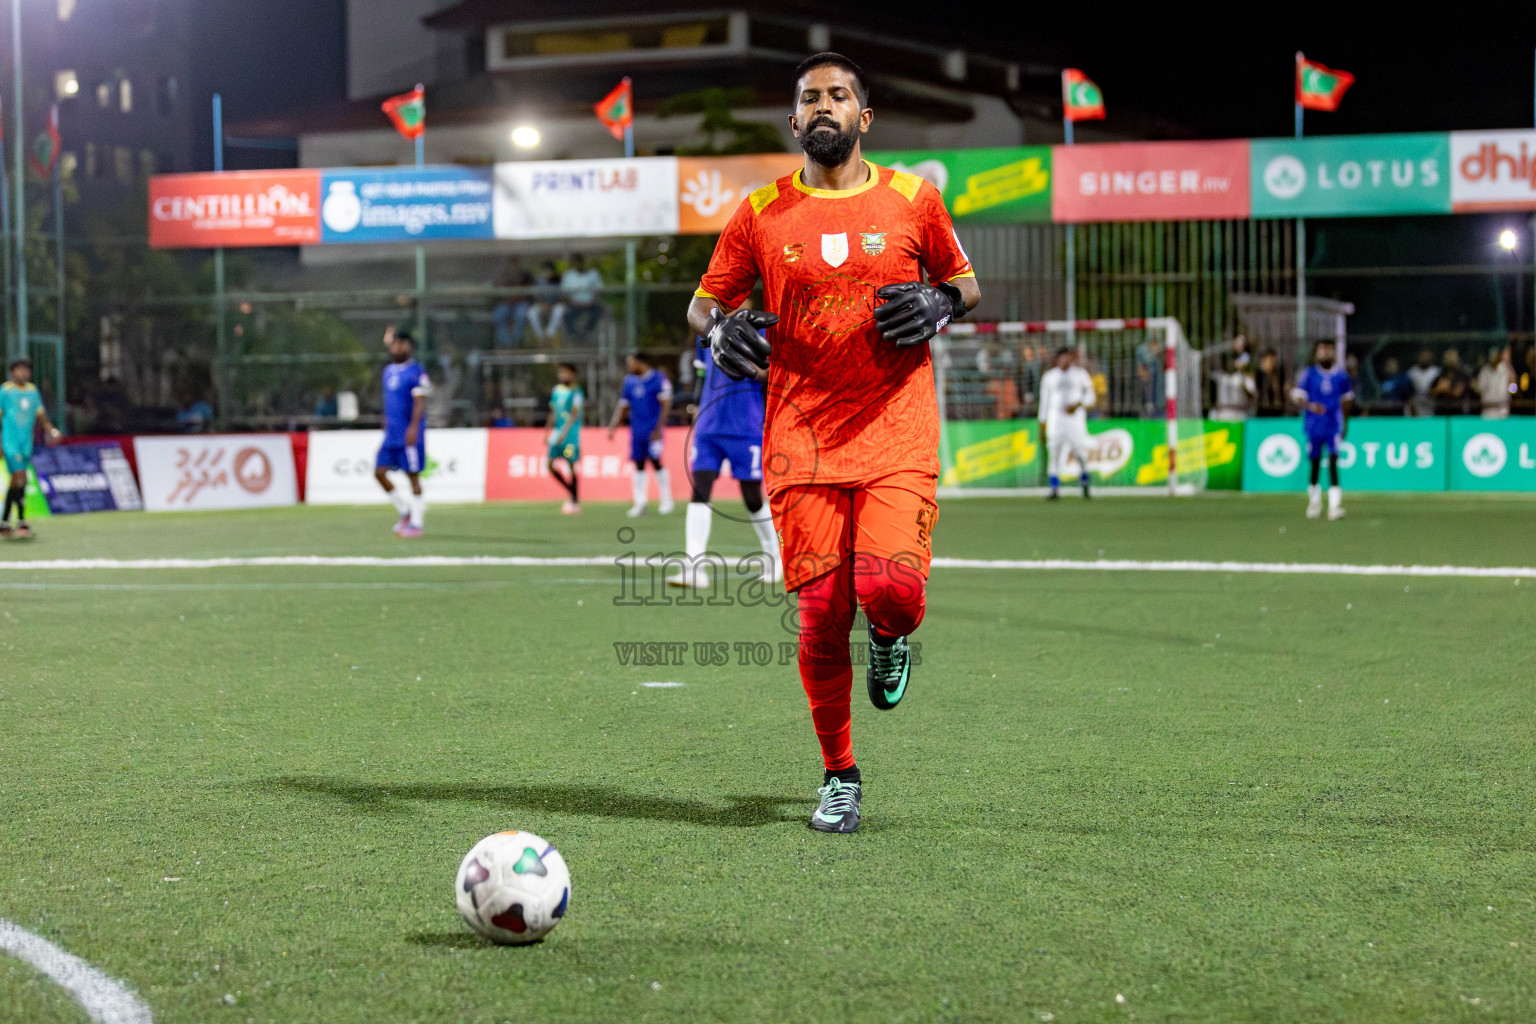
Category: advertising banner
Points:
column 517, row 466
column 711, row 188
column 1380, row 454
column 1150, row 181
column 1351, row 175
column 86, row 478
column 984, row 186
column 235, row 208
column 340, row 467
column 216, row 471
column 405, row 204
column 1124, row 453
column 1493, row 455
column 1493, row 171
column 586, row 198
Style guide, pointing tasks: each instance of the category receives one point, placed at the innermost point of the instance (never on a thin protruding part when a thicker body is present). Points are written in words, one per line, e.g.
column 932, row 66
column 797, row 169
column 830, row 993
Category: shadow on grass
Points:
column 597, row 801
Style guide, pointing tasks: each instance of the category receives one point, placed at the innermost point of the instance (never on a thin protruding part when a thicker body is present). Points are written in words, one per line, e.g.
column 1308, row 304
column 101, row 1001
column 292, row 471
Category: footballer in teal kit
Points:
column 21, row 408
column 567, row 403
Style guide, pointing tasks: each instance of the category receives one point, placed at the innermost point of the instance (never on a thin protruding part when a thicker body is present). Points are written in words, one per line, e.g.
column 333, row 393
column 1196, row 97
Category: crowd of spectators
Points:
column 550, row 308
column 1500, row 384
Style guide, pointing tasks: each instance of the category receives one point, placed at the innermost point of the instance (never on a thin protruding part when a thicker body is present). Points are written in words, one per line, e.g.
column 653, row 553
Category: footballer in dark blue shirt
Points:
column 406, row 387
column 1325, row 394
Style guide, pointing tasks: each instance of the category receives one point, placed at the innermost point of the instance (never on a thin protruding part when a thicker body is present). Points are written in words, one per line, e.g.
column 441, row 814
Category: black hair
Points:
column 836, row 60
column 643, row 357
column 22, row 361
column 1320, row 342
column 401, row 334
column 567, row 366
column 1063, row 351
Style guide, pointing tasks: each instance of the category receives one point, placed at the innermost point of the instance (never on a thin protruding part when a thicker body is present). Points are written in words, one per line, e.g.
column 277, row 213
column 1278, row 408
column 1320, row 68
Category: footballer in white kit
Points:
column 1066, row 395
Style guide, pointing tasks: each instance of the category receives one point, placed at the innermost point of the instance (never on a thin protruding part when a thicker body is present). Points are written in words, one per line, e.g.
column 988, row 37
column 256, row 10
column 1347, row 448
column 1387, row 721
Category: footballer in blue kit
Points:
column 406, row 387
column 647, row 396
column 728, row 429
column 1325, row 394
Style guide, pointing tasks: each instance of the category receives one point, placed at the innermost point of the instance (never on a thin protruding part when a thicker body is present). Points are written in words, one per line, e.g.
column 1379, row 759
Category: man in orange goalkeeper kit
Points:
column 860, row 267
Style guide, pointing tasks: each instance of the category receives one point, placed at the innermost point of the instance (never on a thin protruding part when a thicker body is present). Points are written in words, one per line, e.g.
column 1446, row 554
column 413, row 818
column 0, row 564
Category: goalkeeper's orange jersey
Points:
column 844, row 405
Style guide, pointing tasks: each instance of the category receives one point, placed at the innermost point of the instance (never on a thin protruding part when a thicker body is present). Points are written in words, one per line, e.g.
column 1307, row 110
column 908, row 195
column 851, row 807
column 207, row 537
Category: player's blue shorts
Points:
column 570, row 451
column 745, row 454
column 17, row 460
column 411, row 459
column 1316, row 443
column 641, row 447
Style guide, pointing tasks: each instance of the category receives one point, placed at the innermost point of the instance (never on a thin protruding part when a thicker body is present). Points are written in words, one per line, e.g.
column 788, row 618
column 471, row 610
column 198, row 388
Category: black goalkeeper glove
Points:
column 914, row 312
column 734, row 343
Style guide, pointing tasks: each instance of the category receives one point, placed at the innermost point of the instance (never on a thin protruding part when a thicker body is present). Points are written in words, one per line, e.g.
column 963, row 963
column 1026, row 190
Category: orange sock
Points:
column 826, row 670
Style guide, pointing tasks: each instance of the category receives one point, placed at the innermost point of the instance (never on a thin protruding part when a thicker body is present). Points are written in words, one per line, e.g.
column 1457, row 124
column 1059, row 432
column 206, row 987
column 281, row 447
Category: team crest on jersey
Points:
column 872, row 242
column 834, row 248
column 794, row 252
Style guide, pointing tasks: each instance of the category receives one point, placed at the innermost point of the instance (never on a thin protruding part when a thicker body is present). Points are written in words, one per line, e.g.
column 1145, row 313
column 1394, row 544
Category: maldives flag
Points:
column 408, row 111
column 1080, row 98
column 617, row 109
column 47, row 146
column 1318, row 87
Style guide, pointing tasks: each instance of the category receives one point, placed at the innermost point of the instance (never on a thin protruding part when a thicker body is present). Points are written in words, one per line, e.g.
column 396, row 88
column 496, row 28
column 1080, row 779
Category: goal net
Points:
column 1147, row 426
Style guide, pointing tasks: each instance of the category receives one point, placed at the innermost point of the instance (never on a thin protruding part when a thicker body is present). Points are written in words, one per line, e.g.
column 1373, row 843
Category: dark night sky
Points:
column 1219, row 73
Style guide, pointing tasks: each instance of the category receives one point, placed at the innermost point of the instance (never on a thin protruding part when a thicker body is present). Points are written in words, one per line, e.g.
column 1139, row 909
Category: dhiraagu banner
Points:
column 1124, row 453
column 1380, row 454
column 1351, row 175
column 1009, row 185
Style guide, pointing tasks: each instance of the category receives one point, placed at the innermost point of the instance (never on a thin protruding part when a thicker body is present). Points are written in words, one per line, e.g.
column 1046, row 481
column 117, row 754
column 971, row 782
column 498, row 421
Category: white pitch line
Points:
column 1024, row 565
column 104, row 1000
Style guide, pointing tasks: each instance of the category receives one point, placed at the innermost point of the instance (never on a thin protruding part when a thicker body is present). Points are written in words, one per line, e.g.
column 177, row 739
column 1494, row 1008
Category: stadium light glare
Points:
column 525, row 136
column 1508, row 240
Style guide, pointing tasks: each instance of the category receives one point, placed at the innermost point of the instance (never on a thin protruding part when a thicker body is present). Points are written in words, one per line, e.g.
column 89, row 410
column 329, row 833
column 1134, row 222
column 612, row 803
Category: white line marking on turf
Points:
column 524, row 561
column 104, row 1000
column 663, row 685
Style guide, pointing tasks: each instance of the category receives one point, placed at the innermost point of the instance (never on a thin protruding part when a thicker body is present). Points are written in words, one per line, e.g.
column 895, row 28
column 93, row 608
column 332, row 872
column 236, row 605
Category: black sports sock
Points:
column 17, row 499
column 849, row 774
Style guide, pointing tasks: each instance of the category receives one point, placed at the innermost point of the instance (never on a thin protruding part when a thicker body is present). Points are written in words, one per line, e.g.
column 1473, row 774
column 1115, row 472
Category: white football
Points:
column 513, row 888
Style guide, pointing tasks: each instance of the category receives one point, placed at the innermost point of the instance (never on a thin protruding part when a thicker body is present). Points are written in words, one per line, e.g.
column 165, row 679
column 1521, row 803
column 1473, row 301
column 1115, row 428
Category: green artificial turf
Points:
column 1222, row 797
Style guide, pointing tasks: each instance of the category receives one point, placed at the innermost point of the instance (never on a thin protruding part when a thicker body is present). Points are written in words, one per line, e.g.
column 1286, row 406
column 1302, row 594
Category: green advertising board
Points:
column 1351, row 175
column 1380, row 454
column 1007, row 185
column 1125, row 453
column 1493, row 455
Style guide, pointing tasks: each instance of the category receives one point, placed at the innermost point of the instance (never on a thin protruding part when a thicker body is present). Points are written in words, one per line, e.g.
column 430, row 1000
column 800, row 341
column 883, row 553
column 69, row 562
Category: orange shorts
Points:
column 823, row 525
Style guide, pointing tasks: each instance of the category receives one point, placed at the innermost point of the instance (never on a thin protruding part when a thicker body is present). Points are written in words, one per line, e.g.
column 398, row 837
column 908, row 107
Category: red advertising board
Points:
column 234, row 209
column 517, row 470
column 1150, row 181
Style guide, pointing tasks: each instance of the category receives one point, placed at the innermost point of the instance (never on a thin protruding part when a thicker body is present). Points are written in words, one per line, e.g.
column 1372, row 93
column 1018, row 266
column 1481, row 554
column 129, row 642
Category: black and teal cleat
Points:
column 839, row 810
column 890, row 669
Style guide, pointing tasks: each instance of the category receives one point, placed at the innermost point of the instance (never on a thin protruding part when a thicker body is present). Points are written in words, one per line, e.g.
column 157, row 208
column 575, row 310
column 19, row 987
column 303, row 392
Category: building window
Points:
column 69, row 164
column 146, row 163
column 167, row 95
column 104, row 94
column 66, row 85
column 66, row 9
column 125, row 96
column 122, row 159
column 92, row 169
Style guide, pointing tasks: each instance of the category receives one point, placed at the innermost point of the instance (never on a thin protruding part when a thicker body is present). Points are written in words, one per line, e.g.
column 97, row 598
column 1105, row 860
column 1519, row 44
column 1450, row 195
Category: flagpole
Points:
column 21, row 186
column 1301, row 234
column 631, row 276
column 221, row 331
column 5, row 230
column 1071, row 275
column 421, row 254
column 60, row 405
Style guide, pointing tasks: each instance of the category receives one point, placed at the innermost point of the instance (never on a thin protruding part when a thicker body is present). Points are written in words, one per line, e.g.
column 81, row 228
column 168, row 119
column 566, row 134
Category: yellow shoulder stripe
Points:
column 907, row 184
column 763, row 196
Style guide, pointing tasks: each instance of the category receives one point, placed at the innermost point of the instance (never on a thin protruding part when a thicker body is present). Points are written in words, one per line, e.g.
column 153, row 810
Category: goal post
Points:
column 1148, row 381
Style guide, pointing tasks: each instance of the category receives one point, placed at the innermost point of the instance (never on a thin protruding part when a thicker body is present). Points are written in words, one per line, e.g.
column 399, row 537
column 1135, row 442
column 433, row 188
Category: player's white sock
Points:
column 401, row 505
column 1335, row 498
column 768, row 540
column 1314, row 494
column 637, row 487
column 664, row 487
column 418, row 505
column 696, row 530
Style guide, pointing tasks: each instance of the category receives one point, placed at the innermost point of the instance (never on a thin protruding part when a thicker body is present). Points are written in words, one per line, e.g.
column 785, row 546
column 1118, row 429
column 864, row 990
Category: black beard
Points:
column 830, row 149
column 1326, row 364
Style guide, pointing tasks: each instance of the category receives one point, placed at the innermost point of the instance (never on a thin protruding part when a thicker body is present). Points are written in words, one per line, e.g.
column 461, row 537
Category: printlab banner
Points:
column 216, row 471
column 984, row 186
column 1380, row 454
column 565, row 198
column 86, row 478
column 406, row 205
column 1351, row 175
column 341, row 463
